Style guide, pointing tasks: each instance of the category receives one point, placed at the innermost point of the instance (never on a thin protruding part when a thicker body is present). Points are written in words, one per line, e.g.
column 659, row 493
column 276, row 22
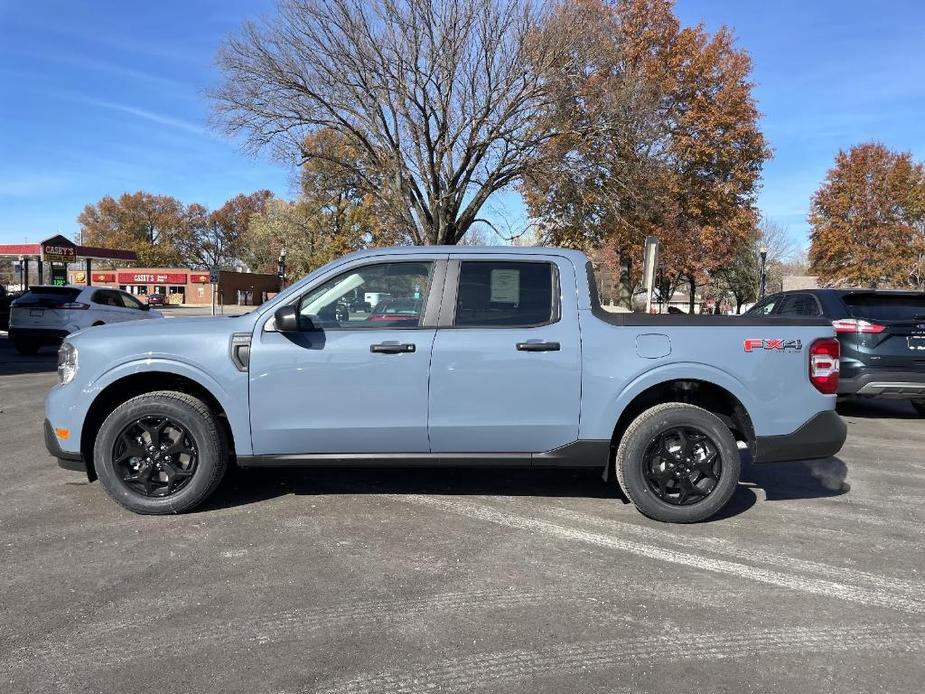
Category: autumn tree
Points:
column 659, row 136
column 437, row 99
column 151, row 225
column 218, row 238
column 868, row 220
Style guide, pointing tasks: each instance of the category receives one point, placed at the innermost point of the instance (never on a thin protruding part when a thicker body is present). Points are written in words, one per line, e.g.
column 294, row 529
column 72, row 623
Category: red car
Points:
column 157, row 299
column 393, row 310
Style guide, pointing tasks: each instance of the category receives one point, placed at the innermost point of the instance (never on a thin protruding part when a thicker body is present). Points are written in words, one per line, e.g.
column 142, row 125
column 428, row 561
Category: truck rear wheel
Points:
column 159, row 453
column 678, row 463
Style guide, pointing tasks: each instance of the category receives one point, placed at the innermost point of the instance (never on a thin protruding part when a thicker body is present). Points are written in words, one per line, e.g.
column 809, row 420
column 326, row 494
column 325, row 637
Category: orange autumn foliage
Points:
column 868, row 220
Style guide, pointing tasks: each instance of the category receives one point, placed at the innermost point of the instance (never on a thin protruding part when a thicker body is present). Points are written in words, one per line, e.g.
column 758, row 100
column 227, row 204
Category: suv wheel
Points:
column 161, row 452
column 678, row 463
column 919, row 406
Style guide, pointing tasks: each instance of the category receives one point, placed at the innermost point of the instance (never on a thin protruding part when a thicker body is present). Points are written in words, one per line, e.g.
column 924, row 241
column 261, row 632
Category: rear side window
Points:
column 48, row 296
column 799, row 305
column 107, row 297
column 886, row 307
column 505, row 294
column 764, row 307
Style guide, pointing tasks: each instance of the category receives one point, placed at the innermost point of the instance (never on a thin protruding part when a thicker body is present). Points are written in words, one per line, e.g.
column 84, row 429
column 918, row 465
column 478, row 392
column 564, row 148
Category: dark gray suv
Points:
column 882, row 335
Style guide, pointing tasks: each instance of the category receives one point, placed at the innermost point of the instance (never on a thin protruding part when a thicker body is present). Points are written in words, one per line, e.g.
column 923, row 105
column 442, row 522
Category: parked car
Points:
column 6, row 298
column 45, row 315
column 510, row 361
column 882, row 336
column 396, row 310
column 157, row 299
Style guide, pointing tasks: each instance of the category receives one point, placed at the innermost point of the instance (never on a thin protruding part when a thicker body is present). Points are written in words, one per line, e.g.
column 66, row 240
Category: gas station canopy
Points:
column 59, row 250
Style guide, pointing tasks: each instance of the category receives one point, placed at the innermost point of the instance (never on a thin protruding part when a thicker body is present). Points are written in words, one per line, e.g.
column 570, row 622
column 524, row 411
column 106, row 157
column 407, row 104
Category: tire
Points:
column 919, row 406
column 26, row 347
column 679, row 505
column 202, row 441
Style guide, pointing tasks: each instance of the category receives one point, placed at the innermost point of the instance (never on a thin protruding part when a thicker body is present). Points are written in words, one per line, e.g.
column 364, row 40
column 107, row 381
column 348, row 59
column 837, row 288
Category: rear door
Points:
column 107, row 307
column 893, row 331
column 506, row 367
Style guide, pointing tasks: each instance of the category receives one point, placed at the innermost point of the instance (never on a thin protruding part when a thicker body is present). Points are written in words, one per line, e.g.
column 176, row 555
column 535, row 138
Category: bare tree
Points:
column 776, row 239
column 439, row 97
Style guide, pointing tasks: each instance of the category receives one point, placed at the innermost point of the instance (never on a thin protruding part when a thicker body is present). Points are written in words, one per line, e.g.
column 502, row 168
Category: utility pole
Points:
column 763, row 274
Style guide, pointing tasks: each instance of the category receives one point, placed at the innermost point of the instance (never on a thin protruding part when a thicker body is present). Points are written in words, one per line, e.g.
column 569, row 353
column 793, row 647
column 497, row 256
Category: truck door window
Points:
column 505, row 294
column 385, row 295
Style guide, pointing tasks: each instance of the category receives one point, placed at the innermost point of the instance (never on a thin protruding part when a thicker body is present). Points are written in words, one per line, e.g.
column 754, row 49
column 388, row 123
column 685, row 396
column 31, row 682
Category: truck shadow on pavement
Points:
column 877, row 409
column 800, row 480
column 12, row 363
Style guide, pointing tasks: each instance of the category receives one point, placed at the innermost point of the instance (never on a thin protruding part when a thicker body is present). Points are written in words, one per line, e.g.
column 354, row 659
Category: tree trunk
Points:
column 693, row 292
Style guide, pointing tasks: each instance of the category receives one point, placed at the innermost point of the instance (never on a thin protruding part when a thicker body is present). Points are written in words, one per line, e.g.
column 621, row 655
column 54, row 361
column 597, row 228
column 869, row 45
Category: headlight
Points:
column 67, row 362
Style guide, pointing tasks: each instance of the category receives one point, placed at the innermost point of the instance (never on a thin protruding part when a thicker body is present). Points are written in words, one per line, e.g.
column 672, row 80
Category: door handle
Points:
column 392, row 348
column 538, row 346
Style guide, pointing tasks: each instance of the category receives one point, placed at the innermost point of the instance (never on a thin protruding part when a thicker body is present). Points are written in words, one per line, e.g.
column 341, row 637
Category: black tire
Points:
column 635, row 452
column 919, row 406
column 26, row 347
column 202, row 431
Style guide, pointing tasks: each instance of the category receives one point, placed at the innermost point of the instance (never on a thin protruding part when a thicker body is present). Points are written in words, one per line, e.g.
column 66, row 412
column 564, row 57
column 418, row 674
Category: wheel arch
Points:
column 134, row 384
column 703, row 393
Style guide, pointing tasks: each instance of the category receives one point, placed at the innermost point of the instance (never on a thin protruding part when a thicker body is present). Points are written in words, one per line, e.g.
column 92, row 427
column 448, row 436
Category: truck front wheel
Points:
column 678, row 463
column 159, row 453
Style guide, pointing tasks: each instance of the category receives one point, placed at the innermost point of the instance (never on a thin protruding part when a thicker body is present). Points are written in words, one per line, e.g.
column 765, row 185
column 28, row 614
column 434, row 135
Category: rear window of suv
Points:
column 48, row 295
column 886, row 307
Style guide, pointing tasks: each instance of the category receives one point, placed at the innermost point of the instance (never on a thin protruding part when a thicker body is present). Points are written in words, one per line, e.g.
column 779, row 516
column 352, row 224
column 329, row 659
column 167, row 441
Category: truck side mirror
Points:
column 287, row 319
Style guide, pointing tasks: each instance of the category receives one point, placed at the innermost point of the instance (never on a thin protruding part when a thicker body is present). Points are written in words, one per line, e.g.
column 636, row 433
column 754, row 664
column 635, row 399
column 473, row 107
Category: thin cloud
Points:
column 159, row 118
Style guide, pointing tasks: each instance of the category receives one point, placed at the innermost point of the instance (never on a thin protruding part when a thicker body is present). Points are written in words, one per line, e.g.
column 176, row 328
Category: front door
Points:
column 506, row 367
column 355, row 379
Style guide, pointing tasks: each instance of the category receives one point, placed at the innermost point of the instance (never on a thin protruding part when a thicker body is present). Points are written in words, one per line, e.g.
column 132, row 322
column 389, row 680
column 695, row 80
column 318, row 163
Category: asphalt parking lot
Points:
column 453, row 581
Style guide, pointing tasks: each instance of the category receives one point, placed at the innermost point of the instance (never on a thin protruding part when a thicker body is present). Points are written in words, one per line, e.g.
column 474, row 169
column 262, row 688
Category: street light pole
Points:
column 281, row 268
column 763, row 274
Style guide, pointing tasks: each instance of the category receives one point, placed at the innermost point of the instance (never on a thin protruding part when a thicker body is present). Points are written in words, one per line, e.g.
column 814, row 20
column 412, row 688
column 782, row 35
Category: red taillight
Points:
column 73, row 306
column 823, row 365
column 854, row 325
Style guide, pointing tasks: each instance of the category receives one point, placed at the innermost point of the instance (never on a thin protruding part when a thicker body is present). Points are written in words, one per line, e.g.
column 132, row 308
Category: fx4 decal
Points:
column 774, row 344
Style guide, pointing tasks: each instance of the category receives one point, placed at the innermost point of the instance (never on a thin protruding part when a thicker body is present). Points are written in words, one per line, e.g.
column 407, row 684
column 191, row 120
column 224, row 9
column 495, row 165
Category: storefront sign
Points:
column 199, row 277
column 58, row 249
column 103, row 276
column 151, row 278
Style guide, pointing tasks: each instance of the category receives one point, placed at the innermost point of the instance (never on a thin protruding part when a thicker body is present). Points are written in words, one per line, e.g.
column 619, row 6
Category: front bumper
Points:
column 66, row 459
column 820, row 437
column 893, row 385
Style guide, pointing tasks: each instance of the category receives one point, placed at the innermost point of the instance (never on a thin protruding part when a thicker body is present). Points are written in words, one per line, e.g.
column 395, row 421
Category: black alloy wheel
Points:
column 682, row 465
column 155, row 456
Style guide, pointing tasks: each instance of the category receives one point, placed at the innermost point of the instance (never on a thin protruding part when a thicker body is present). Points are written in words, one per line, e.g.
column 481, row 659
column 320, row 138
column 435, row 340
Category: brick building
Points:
column 184, row 286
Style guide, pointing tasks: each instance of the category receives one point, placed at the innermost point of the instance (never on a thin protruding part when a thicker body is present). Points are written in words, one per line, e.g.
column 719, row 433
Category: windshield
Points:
column 886, row 307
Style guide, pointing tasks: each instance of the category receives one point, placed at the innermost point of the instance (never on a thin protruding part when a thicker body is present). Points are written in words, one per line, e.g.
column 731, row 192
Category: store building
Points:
column 185, row 286
column 52, row 258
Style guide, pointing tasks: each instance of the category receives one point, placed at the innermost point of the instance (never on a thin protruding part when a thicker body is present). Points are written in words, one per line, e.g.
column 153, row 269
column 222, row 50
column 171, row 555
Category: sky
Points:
column 99, row 98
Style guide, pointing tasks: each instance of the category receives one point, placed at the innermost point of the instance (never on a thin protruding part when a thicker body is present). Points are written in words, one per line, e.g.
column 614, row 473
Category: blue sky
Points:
column 103, row 97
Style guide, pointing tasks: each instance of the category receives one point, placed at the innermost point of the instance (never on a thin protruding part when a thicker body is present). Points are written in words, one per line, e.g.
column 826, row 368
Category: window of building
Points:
column 505, row 294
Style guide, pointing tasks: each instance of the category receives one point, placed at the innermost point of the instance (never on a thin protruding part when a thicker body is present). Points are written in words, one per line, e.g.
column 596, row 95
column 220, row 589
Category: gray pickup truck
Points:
column 445, row 356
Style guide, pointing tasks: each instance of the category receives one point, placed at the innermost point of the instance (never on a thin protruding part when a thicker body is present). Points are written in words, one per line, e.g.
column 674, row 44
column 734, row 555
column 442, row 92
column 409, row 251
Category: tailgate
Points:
column 893, row 328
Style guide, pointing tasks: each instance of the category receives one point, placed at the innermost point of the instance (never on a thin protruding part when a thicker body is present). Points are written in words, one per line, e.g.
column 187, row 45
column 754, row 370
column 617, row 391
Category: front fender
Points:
column 233, row 402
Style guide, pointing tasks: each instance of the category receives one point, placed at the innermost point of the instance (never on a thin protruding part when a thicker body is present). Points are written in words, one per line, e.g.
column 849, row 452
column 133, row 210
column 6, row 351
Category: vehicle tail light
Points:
column 854, row 325
column 73, row 306
column 823, row 365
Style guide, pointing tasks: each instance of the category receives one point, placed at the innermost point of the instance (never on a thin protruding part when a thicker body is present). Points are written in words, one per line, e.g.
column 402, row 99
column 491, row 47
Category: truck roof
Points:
column 577, row 257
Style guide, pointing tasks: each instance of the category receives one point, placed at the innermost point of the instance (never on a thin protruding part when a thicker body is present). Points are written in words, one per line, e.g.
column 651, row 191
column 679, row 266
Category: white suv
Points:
column 45, row 315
